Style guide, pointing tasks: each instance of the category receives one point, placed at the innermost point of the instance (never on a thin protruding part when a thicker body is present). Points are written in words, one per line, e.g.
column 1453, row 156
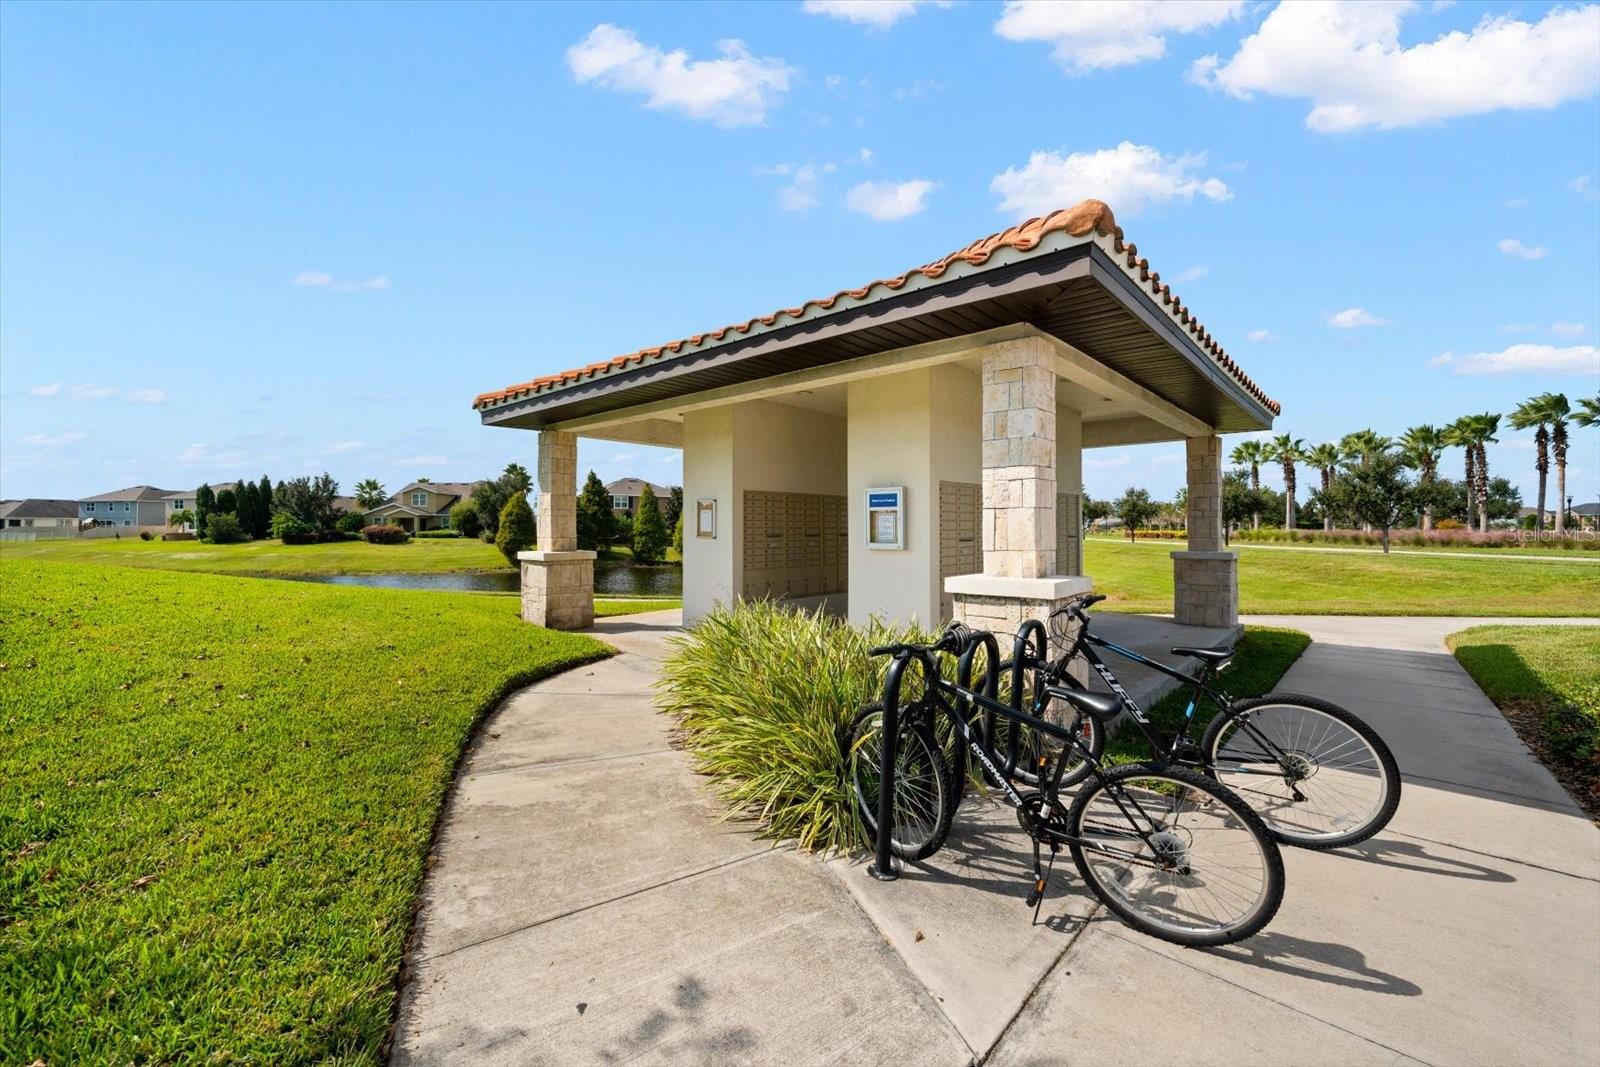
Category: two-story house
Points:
column 422, row 505
column 625, row 494
column 131, row 508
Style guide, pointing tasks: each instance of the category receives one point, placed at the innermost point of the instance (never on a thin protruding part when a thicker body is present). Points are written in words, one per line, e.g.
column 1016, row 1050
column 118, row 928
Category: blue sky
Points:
column 243, row 239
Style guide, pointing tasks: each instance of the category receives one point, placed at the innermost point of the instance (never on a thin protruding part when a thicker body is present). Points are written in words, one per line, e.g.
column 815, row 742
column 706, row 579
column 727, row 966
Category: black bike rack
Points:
column 883, row 864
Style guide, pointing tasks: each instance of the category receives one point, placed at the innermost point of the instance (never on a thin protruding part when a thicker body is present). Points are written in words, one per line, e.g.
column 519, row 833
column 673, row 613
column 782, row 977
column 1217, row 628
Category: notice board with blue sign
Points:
column 886, row 517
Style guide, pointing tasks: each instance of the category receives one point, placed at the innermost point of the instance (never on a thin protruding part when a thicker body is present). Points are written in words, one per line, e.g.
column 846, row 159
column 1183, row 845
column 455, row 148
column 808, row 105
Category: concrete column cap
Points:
column 1205, row 555
column 1055, row 587
column 555, row 557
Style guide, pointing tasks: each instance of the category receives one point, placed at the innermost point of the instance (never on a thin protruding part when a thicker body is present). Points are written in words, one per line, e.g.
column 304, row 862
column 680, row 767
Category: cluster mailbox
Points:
column 886, row 517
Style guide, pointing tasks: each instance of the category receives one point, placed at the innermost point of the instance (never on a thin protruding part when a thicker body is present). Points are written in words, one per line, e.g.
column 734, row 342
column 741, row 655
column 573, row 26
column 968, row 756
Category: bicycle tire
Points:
column 1269, row 895
column 921, row 773
column 1029, row 743
column 1284, row 832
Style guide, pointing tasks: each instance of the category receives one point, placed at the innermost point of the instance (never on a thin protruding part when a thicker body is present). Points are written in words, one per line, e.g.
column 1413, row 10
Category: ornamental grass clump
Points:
column 763, row 694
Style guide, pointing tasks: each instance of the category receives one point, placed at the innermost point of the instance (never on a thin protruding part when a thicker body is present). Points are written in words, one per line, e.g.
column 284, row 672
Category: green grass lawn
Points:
column 1175, row 539
column 1546, row 679
column 1138, row 578
column 1265, row 656
column 419, row 555
column 605, row 607
column 216, row 800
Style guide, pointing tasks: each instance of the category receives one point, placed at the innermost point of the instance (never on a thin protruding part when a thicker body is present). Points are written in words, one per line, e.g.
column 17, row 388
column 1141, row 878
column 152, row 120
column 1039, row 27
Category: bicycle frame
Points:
column 937, row 690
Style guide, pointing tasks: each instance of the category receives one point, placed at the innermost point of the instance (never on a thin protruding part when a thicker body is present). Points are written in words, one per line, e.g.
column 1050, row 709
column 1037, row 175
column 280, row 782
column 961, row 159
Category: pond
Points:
column 612, row 577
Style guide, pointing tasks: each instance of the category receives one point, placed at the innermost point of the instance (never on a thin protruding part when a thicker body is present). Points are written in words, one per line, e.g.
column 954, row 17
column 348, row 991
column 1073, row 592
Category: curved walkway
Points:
column 586, row 906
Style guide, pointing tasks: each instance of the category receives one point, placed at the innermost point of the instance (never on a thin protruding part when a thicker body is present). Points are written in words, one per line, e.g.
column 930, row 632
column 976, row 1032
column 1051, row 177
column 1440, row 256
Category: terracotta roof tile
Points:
column 1088, row 217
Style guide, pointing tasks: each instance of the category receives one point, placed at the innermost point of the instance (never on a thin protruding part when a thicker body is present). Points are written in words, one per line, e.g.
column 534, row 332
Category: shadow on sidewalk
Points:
column 1320, row 961
column 1408, row 856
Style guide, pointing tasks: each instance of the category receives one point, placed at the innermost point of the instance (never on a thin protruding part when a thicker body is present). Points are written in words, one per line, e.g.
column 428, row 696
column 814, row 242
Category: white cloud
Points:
column 889, row 201
column 1576, row 359
column 46, row 390
column 1259, row 336
column 92, row 392
column 316, row 279
column 145, row 396
column 1129, row 177
column 1354, row 318
column 1093, row 35
column 1518, row 327
column 878, row 14
column 1568, row 329
column 864, row 157
column 1513, row 247
column 1192, row 274
column 737, row 89
column 920, row 87
column 338, row 448
column 1346, row 58
column 202, row 455
column 53, row 440
column 1120, row 459
column 1583, row 185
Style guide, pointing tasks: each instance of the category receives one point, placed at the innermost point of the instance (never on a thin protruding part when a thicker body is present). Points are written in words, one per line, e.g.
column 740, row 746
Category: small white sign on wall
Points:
column 705, row 518
column 886, row 517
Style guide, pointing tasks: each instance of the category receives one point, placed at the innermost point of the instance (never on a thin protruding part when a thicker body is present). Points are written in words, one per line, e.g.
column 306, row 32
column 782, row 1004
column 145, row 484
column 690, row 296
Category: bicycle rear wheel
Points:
column 1317, row 775
column 1175, row 855
column 1031, row 745
column 922, row 789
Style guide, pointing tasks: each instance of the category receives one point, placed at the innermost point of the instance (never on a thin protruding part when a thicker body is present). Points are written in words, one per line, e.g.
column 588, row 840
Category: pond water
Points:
column 612, row 577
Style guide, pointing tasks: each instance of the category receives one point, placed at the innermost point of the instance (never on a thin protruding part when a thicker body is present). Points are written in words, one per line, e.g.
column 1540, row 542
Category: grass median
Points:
column 1138, row 578
column 420, row 555
column 1546, row 681
column 216, row 800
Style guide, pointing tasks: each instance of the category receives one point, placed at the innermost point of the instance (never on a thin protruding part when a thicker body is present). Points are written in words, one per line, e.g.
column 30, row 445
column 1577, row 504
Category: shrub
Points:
column 146, row 535
column 350, row 522
column 224, row 529
column 291, row 531
column 385, row 535
column 516, row 528
column 438, row 533
column 1449, row 524
column 464, row 519
column 763, row 695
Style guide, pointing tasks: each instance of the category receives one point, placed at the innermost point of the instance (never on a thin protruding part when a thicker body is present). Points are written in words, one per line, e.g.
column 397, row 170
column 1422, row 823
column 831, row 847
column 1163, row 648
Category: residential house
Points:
column 28, row 519
column 134, row 507
column 1588, row 516
column 183, row 500
column 626, row 492
column 422, row 505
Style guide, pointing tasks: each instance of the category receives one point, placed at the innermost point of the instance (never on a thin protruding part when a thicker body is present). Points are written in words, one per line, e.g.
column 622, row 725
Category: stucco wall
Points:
column 910, row 429
column 752, row 445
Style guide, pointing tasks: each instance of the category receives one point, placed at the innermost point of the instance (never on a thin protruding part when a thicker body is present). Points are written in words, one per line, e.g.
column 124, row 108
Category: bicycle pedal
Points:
column 1033, row 899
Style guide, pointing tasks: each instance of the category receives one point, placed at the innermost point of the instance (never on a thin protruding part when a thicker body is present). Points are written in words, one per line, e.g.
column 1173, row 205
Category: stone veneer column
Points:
column 1019, row 496
column 1205, row 578
column 558, row 578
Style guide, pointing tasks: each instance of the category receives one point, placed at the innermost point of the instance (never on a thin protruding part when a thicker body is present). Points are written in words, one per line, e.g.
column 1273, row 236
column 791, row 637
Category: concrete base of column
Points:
column 1205, row 588
column 1001, row 605
column 558, row 589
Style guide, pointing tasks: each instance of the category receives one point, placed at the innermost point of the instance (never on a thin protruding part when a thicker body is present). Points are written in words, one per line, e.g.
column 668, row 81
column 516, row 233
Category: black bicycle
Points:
column 1318, row 775
column 1172, row 852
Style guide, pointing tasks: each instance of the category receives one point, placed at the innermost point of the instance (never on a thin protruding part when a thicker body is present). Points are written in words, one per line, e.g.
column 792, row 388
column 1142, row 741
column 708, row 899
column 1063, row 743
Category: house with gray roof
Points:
column 38, row 518
column 132, row 508
column 422, row 505
column 625, row 494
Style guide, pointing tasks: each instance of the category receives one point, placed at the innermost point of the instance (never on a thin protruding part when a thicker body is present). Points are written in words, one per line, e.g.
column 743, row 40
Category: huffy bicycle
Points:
column 1170, row 851
column 1318, row 775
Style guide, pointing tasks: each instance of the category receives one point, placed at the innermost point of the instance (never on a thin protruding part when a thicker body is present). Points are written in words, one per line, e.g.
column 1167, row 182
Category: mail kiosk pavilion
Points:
column 912, row 448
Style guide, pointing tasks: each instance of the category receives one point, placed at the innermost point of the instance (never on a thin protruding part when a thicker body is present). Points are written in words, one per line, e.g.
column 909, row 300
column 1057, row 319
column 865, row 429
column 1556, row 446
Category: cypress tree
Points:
column 516, row 528
column 597, row 526
column 264, row 495
column 204, row 504
column 649, row 531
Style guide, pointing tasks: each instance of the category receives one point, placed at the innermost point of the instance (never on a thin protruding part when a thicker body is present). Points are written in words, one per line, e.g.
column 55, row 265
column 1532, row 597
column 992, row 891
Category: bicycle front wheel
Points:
column 1028, row 750
column 922, row 811
column 1175, row 855
column 1317, row 775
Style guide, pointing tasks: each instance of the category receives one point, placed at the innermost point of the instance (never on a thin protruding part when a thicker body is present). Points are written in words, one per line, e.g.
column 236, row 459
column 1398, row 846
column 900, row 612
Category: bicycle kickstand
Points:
column 1040, row 877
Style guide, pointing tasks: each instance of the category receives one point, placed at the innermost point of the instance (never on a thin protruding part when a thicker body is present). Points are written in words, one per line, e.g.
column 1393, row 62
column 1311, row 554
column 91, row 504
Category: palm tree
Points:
column 370, row 494
column 1459, row 435
column 1287, row 451
column 1588, row 413
column 1476, row 432
column 1558, row 411
column 1254, row 453
column 1535, row 413
column 1420, row 449
column 1363, row 445
column 1325, row 458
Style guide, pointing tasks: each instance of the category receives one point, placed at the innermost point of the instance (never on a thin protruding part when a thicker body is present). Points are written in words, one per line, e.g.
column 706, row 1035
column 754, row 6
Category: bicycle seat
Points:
column 1101, row 706
column 1209, row 655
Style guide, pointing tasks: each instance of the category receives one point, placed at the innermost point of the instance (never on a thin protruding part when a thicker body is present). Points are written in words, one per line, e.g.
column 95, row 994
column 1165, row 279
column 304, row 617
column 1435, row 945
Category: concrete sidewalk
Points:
column 587, row 906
